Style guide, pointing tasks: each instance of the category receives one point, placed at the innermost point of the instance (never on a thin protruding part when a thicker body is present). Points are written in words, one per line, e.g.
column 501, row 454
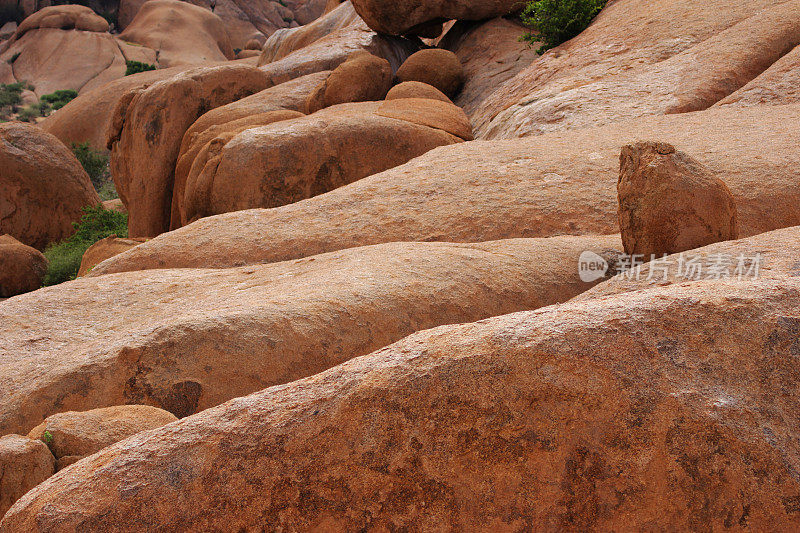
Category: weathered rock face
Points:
column 104, row 249
column 363, row 77
column 666, row 29
column 289, row 161
column 24, row 463
column 490, row 54
column 285, row 41
column 205, row 148
column 675, row 398
column 62, row 47
column 181, row 33
column 78, row 434
column 148, row 126
column 43, row 188
column 416, row 89
column 396, row 18
column 327, row 44
column 670, row 203
column 772, row 255
column 540, row 186
column 22, row 268
column 778, row 85
column 440, row 68
column 88, row 117
column 186, row 340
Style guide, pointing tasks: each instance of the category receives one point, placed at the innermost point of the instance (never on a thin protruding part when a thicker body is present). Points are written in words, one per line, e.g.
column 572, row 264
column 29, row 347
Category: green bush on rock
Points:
column 65, row 257
column 558, row 21
column 135, row 67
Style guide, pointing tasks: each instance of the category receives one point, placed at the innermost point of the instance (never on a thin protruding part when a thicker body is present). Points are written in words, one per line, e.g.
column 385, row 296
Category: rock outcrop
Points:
column 563, row 183
column 24, row 463
column 43, row 188
column 22, row 268
column 416, row 89
column 670, row 203
column 686, row 56
column 180, row 33
column 292, row 160
column 148, row 126
column 778, row 85
column 660, row 409
column 187, row 340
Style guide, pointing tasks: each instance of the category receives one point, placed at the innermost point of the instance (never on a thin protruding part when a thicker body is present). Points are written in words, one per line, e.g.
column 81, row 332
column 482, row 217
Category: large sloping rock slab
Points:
column 534, row 187
column 695, row 79
column 609, row 48
column 43, row 188
column 778, row 85
column 775, row 254
column 147, row 129
column 186, row 340
column 181, row 33
column 670, row 409
column 396, row 18
column 292, row 160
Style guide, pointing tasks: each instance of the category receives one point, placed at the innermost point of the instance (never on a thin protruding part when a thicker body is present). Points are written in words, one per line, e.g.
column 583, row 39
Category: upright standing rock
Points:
column 670, row 203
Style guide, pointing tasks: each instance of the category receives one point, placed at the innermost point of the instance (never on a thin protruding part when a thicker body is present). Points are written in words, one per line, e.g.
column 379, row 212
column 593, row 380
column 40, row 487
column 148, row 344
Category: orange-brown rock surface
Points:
column 78, row 434
column 439, row 68
column 772, row 255
column 24, row 463
column 662, row 409
column 292, row 160
column 181, row 33
column 416, row 89
column 186, row 340
column 539, row 186
column 43, row 188
column 22, row 268
column 684, row 55
column 104, row 249
column 778, row 85
column 363, row 77
column 670, row 203
column 147, row 129
column 396, row 18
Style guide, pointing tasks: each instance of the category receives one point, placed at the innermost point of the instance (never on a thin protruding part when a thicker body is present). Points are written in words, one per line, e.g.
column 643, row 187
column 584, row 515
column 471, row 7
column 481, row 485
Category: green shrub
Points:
column 558, row 21
column 65, row 257
column 31, row 112
column 11, row 94
column 94, row 163
column 135, row 67
column 59, row 99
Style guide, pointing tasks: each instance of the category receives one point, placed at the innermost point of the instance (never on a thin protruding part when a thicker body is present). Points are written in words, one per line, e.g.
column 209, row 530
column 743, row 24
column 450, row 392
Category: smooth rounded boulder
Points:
column 670, row 203
column 296, row 159
column 22, row 268
column 668, row 409
column 147, row 130
column 24, row 463
column 363, row 77
column 416, row 89
column 43, row 187
column 77, row 434
column 439, row 68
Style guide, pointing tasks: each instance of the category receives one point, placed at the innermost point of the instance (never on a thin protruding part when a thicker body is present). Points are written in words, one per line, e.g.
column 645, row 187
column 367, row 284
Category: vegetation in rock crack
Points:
column 557, row 21
column 65, row 257
column 10, row 97
column 47, row 437
column 135, row 67
column 59, row 99
column 95, row 164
